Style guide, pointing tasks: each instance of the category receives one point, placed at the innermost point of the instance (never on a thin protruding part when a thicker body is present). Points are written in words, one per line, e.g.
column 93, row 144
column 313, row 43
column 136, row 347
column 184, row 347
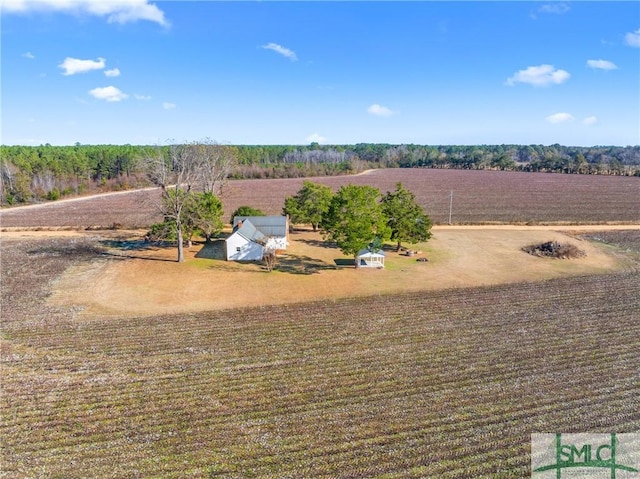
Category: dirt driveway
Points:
column 139, row 282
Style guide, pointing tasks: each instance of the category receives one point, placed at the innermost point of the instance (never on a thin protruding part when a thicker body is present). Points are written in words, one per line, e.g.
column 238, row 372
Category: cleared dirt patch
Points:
column 147, row 280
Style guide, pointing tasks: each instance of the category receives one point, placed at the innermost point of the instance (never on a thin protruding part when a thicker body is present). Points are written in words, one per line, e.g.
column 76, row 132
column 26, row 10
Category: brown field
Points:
column 445, row 383
column 118, row 363
column 479, row 197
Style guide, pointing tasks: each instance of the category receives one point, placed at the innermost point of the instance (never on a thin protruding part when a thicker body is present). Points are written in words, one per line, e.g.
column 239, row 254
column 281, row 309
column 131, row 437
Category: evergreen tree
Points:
column 407, row 220
column 245, row 211
column 309, row 204
column 355, row 218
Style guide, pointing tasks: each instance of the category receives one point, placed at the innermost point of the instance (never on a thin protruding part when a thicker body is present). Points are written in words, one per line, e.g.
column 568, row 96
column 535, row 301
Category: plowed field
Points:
column 423, row 370
column 447, row 383
column 478, row 197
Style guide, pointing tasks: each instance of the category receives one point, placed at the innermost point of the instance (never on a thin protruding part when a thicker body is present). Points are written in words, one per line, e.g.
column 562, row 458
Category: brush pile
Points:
column 553, row 249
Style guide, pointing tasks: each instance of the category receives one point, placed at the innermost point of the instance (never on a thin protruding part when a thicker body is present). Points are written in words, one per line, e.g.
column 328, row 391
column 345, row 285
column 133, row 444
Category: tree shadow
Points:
column 345, row 262
column 303, row 265
column 127, row 249
column 318, row 243
column 212, row 250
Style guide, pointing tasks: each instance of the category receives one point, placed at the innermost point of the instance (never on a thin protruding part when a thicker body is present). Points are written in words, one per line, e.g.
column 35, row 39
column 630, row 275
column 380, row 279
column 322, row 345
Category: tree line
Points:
column 46, row 172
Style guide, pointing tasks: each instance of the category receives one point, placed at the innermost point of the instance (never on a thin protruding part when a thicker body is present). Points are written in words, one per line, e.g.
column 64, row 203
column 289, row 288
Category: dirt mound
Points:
column 554, row 249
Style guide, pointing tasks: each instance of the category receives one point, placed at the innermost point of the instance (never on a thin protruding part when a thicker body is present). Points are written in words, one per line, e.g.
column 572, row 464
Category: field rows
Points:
column 478, row 197
column 438, row 384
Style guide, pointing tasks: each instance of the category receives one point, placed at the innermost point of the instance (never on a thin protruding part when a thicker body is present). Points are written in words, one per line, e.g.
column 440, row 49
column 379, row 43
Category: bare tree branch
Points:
column 179, row 169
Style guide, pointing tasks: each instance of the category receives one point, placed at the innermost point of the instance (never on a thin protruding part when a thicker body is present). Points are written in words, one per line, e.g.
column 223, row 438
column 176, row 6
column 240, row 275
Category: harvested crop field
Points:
column 478, row 197
column 435, row 382
column 442, row 384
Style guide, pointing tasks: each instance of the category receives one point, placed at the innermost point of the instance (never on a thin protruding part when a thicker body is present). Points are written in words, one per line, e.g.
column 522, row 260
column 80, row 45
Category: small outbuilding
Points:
column 370, row 259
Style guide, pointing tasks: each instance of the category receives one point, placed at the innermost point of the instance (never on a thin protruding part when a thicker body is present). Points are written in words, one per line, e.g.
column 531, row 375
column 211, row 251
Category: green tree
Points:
column 503, row 162
column 355, row 218
column 406, row 218
column 246, row 211
column 204, row 215
column 201, row 214
column 309, row 204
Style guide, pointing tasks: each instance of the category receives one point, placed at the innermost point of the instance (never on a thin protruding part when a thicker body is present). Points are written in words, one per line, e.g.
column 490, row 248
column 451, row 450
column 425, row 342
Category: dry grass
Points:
column 142, row 279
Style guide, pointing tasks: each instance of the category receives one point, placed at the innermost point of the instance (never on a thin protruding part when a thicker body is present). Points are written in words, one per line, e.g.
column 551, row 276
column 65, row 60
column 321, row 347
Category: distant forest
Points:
column 38, row 173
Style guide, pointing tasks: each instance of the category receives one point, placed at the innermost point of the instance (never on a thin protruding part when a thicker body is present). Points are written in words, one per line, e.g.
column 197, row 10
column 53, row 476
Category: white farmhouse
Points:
column 253, row 235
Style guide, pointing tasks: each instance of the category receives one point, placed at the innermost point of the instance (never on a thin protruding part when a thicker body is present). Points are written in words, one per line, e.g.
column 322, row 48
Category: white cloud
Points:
column 541, row 75
column 71, row 66
column 115, row 72
column 168, row 106
column 379, row 110
column 314, row 137
column 281, row 50
column 633, row 38
column 28, row 55
column 590, row 120
column 108, row 93
column 141, row 97
column 560, row 118
column 552, row 8
column 555, row 8
column 602, row 65
column 116, row 11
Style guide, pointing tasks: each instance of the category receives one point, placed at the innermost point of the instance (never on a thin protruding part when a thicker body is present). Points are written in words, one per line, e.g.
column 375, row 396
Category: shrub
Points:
column 53, row 195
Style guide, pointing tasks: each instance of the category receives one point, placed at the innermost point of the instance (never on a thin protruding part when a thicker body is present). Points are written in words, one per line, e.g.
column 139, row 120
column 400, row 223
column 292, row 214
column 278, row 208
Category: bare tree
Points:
column 215, row 163
column 174, row 172
column 6, row 178
column 180, row 170
column 269, row 257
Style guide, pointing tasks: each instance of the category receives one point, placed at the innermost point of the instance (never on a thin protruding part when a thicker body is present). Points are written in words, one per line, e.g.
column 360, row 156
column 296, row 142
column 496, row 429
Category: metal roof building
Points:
column 267, row 225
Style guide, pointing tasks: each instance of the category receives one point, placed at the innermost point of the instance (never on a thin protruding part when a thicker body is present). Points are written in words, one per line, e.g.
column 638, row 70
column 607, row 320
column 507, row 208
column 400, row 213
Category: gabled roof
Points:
column 371, row 254
column 267, row 225
column 249, row 231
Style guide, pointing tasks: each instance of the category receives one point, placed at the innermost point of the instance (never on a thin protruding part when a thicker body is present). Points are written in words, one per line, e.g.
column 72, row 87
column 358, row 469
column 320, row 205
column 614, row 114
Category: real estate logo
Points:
column 564, row 456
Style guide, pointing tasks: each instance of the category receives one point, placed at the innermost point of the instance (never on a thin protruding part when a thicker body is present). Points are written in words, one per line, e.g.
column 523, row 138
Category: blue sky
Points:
column 139, row 72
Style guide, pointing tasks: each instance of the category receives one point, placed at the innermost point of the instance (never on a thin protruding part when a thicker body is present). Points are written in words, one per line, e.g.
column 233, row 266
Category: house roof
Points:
column 267, row 225
column 248, row 230
column 371, row 254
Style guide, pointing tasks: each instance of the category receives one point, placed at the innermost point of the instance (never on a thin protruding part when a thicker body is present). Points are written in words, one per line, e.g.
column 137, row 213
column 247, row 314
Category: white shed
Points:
column 370, row 259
